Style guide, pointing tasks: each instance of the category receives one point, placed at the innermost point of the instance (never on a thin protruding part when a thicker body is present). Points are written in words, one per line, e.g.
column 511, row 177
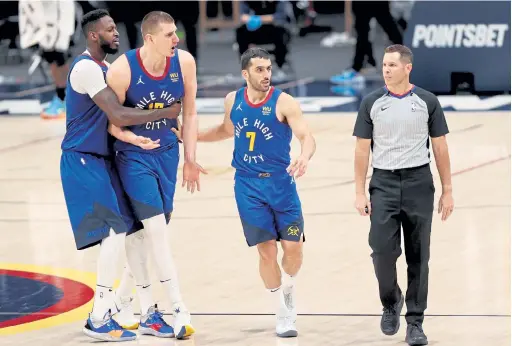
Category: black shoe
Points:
column 415, row 335
column 390, row 322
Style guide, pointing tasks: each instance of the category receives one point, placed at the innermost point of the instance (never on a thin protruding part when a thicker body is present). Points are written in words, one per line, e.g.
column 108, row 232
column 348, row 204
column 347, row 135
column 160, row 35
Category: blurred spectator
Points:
column 184, row 12
column 212, row 9
column 342, row 38
column 119, row 11
column 401, row 11
column 264, row 23
column 40, row 24
column 364, row 11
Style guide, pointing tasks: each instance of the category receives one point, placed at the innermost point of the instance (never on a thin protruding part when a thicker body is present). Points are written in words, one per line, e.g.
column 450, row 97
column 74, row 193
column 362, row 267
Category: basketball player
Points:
column 97, row 208
column 155, row 76
column 262, row 120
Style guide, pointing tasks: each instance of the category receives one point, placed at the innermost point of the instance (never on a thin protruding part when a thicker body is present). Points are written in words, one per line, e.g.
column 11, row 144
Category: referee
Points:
column 395, row 122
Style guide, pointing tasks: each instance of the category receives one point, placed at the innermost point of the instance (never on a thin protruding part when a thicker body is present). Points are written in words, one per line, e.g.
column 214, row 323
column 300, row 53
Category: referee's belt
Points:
column 398, row 170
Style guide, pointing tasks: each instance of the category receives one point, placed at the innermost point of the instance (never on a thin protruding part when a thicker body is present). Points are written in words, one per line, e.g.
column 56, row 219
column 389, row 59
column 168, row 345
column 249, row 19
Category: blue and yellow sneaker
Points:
column 182, row 322
column 152, row 323
column 107, row 330
column 55, row 110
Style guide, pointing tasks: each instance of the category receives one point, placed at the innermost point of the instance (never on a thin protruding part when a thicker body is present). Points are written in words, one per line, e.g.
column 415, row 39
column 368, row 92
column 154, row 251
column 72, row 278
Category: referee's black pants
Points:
column 403, row 197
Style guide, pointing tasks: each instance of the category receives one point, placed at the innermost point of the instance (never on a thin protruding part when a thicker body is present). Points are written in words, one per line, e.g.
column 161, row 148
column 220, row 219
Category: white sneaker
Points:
column 126, row 317
column 286, row 315
column 182, row 322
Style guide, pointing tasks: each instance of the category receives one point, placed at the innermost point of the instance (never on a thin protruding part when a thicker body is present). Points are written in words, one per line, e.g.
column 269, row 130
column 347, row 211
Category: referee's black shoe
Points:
column 415, row 335
column 390, row 322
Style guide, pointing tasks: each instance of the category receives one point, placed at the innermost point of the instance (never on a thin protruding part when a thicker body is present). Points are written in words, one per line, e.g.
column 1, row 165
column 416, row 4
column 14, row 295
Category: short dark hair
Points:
column 151, row 21
column 90, row 18
column 404, row 51
column 254, row 52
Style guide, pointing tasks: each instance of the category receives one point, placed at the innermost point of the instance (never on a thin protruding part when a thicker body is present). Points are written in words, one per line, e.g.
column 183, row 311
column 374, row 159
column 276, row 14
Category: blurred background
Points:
column 328, row 53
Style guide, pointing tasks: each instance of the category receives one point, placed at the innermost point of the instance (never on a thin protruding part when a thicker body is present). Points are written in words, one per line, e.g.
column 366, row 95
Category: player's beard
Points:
column 257, row 86
column 107, row 47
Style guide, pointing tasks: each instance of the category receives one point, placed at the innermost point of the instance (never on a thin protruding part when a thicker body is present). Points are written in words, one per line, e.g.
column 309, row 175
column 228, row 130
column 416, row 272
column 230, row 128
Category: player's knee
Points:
column 292, row 251
column 268, row 250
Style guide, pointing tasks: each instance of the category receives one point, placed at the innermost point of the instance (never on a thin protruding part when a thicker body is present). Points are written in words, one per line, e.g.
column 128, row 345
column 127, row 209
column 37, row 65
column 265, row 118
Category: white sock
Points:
column 275, row 293
column 136, row 254
column 124, row 291
column 145, row 298
column 173, row 290
column 288, row 283
column 103, row 298
column 156, row 238
column 106, row 274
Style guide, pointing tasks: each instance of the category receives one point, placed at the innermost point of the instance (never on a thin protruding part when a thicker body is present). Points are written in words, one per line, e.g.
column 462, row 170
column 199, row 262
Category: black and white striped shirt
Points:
column 399, row 126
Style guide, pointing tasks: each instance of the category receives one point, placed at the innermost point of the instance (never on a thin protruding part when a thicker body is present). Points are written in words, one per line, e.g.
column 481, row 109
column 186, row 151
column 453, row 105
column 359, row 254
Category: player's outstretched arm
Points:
column 109, row 100
column 290, row 109
column 226, row 129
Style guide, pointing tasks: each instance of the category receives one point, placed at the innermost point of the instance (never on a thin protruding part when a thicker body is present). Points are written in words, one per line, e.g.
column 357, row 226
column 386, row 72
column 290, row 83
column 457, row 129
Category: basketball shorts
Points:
column 269, row 208
column 94, row 198
column 149, row 180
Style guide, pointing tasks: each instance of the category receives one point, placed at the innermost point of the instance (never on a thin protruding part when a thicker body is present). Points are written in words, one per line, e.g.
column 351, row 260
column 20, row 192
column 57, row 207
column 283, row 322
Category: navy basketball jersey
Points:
column 86, row 123
column 262, row 142
column 151, row 92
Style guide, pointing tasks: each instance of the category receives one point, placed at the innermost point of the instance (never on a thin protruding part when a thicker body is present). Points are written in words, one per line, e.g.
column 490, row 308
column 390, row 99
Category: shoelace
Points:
column 415, row 329
column 157, row 316
column 389, row 313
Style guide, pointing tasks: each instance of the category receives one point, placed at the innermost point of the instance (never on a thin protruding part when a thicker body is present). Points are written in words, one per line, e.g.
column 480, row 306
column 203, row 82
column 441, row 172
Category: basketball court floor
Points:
column 46, row 285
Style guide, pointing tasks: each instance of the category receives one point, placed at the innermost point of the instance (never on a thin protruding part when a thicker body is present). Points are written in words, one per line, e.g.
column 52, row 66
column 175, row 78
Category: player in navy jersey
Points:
column 262, row 120
column 155, row 76
column 97, row 207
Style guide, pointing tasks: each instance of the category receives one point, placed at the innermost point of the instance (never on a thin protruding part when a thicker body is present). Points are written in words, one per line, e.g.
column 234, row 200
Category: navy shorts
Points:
column 269, row 208
column 94, row 198
column 149, row 180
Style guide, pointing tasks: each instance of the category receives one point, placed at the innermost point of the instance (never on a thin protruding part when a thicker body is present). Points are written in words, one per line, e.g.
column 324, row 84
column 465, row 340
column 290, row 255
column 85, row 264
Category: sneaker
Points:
column 286, row 316
column 338, row 39
column 125, row 316
column 55, row 110
column 182, row 322
column 415, row 335
column 152, row 323
column 390, row 322
column 107, row 330
column 347, row 77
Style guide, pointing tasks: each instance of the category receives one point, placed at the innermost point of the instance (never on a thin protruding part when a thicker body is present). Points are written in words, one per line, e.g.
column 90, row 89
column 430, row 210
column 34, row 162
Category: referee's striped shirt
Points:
column 399, row 126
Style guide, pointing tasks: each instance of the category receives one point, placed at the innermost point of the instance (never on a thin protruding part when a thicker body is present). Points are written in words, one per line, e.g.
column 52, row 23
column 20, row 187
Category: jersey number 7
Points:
column 252, row 138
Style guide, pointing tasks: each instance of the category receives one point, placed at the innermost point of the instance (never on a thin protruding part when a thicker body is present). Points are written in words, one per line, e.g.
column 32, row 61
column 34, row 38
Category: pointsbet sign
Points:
column 449, row 37
column 459, row 35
